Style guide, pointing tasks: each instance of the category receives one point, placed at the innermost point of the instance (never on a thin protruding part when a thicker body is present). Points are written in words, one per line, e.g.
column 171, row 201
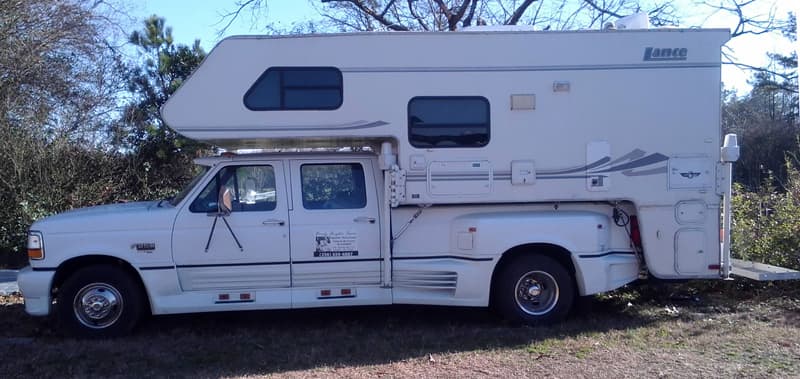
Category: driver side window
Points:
column 252, row 189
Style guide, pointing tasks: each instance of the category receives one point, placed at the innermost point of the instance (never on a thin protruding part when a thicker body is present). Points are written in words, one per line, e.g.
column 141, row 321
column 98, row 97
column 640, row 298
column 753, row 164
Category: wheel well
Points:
column 69, row 267
column 555, row 252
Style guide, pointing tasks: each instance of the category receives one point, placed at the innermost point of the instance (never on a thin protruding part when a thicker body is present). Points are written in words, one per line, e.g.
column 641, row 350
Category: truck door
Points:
column 249, row 247
column 335, row 240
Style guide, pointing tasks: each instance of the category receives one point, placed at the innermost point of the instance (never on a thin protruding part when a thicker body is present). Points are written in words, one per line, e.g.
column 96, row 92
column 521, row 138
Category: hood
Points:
column 123, row 216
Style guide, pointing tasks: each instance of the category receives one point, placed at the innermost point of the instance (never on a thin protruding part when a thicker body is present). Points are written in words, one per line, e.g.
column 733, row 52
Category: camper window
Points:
column 333, row 186
column 296, row 88
column 456, row 121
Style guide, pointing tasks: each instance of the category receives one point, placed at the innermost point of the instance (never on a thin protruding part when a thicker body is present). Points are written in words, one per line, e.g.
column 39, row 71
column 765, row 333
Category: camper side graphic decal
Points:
column 355, row 125
column 635, row 163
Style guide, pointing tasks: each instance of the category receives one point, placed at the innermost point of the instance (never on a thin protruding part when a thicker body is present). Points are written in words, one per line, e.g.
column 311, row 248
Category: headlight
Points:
column 35, row 246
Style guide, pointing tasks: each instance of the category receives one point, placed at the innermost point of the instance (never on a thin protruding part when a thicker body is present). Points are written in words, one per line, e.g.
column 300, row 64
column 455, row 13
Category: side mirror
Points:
column 224, row 204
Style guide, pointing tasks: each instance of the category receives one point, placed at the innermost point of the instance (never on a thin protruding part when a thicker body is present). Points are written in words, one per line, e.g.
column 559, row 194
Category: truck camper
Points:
column 510, row 169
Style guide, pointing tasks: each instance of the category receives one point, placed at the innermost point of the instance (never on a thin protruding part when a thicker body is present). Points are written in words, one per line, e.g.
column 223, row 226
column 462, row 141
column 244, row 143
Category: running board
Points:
column 762, row 271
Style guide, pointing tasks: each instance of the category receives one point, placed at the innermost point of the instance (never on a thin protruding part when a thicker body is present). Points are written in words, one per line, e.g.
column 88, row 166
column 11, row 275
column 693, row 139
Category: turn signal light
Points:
column 35, row 254
column 35, row 246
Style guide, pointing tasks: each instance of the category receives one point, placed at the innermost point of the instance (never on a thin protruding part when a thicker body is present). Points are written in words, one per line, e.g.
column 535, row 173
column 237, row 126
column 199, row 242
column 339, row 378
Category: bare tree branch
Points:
column 746, row 23
column 386, row 9
column 233, row 15
column 519, row 12
column 468, row 20
column 371, row 12
column 443, row 7
column 452, row 18
column 416, row 16
column 602, row 10
column 461, row 10
column 787, row 77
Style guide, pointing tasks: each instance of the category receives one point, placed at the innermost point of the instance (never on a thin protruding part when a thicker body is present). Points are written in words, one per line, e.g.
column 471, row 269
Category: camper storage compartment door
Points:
column 460, row 178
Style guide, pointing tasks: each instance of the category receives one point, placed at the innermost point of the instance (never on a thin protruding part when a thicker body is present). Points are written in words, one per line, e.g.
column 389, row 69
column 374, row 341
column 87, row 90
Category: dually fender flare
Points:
column 555, row 249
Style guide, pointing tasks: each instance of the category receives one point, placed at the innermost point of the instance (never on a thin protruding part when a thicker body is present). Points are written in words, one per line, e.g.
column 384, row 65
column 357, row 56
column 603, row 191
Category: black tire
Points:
column 514, row 293
column 112, row 303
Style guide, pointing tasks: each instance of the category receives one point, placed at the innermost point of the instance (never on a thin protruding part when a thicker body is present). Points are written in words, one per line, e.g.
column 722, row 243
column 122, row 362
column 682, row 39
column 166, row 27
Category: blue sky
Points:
column 201, row 19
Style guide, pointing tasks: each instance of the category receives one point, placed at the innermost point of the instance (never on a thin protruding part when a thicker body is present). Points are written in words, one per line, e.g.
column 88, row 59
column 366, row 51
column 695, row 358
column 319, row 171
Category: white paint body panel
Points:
column 263, row 261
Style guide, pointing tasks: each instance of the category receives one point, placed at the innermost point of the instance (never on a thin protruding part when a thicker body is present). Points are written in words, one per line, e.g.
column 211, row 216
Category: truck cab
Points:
column 225, row 240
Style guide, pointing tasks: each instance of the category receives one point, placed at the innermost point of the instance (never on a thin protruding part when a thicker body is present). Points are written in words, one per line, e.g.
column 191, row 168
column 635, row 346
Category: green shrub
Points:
column 766, row 223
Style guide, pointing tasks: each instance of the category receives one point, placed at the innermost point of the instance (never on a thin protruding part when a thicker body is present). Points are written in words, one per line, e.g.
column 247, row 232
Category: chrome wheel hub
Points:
column 97, row 305
column 536, row 293
column 534, row 290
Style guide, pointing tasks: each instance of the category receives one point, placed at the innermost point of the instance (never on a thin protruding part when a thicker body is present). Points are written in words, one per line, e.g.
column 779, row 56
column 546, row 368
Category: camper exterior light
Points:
column 730, row 149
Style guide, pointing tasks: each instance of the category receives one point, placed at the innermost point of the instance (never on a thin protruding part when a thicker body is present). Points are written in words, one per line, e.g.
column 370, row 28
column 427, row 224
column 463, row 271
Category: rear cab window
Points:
column 333, row 186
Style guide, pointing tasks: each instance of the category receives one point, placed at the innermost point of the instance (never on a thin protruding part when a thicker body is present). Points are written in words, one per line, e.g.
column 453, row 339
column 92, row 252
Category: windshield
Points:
column 202, row 170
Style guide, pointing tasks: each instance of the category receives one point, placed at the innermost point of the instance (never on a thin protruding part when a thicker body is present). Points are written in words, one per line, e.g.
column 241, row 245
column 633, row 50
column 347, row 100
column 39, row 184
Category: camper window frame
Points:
column 282, row 88
column 488, row 122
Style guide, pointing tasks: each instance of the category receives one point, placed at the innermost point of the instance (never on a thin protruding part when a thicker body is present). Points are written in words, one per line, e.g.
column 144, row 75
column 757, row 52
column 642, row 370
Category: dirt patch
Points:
column 646, row 332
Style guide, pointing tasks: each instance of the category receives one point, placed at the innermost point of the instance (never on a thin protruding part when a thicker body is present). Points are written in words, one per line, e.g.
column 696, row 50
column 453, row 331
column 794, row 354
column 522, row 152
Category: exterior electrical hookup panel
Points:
column 523, row 173
column 597, row 152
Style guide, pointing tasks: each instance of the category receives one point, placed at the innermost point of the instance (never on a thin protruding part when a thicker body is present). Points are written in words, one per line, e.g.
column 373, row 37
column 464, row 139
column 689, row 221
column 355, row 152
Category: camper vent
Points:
column 523, row 102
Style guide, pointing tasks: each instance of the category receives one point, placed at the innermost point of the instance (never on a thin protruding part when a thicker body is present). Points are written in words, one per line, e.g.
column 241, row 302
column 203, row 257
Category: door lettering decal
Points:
column 336, row 244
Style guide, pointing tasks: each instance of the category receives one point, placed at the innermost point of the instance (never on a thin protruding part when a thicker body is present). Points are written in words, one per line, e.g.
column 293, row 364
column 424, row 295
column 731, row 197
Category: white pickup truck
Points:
column 318, row 237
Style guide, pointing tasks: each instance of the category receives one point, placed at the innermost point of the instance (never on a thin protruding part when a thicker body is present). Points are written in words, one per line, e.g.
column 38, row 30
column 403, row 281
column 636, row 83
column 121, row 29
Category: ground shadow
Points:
column 266, row 342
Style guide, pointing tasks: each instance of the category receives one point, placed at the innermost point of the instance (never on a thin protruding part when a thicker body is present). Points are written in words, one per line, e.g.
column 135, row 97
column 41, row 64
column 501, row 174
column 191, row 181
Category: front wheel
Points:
column 534, row 290
column 99, row 301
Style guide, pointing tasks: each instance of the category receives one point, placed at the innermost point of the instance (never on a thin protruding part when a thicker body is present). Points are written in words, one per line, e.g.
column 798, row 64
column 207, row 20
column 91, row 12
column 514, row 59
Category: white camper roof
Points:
column 209, row 105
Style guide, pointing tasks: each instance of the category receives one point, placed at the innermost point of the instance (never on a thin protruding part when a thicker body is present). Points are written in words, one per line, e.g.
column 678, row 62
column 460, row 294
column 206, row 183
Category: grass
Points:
column 724, row 330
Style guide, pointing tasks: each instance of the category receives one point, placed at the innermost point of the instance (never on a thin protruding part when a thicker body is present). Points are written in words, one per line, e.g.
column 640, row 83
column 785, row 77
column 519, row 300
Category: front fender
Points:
column 129, row 246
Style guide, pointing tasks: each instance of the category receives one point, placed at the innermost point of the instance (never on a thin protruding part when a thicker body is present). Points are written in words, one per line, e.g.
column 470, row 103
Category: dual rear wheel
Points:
column 533, row 290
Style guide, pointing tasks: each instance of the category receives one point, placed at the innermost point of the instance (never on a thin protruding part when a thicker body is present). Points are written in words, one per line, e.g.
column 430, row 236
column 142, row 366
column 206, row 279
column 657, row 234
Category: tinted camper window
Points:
column 461, row 121
column 296, row 88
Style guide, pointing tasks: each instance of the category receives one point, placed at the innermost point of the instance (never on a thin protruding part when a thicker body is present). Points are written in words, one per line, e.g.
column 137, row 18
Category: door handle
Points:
column 370, row 220
column 273, row 222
